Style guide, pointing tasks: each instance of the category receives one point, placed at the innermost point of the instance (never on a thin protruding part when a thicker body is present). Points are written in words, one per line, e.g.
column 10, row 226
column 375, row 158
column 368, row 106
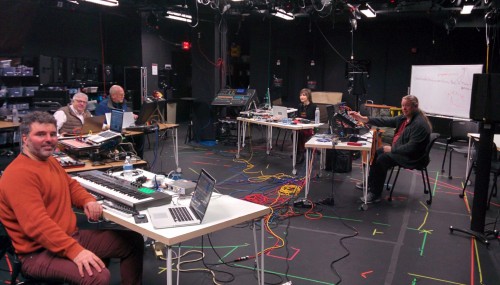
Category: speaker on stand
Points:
column 485, row 104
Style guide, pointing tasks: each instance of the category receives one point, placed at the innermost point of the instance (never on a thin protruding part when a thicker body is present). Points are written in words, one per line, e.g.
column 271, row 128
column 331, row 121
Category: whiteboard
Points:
column 444, row 89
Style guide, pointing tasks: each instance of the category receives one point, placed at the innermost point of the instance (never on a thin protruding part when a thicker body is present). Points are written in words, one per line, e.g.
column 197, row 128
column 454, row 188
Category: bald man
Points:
column 116, row 100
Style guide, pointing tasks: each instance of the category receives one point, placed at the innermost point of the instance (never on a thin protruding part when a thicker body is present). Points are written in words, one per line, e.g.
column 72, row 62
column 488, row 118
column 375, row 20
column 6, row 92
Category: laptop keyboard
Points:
column 107, row 134
column 180, row 214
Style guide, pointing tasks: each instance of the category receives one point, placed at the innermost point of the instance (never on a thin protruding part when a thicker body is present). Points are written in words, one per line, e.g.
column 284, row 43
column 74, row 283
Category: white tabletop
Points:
column 223, row 212
column 496, row 138
column 325, row 142
column 298, row 126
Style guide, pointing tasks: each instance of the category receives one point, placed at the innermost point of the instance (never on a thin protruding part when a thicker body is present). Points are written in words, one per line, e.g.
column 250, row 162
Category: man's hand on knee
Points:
column 85, row 260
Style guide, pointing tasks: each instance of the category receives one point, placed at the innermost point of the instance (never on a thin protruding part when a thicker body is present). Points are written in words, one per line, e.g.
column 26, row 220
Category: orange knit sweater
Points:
column 36, row 199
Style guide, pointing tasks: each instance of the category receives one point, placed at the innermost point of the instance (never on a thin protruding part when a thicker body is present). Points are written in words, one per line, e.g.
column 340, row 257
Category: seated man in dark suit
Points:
column 411, row 137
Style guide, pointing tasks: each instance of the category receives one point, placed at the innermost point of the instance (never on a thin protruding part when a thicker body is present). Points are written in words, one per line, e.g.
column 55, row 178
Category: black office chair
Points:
column 495, row 170
column 6, row 248
column 459, row 131
column 424, row 162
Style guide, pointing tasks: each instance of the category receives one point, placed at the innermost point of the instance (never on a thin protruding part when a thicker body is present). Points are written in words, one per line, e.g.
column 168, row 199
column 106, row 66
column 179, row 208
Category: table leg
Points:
column 244, row 131
column 468, row 158
column 366, row 172
column 294, row 151
column 262, row 247
column 260, row 264
column 176, row 149
column 269, row 139
column 169, row 265
column 308, row 178
column 239, row 138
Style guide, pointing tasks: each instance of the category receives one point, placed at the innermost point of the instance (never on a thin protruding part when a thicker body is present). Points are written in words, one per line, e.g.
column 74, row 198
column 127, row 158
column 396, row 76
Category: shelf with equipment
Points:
column 18, row 90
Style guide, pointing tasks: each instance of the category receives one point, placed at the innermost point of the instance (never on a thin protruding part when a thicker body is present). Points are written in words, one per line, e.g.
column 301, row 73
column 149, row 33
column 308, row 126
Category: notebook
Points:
column 115, row 128
column 280, row 112
column 128, row 119
column 169, row 216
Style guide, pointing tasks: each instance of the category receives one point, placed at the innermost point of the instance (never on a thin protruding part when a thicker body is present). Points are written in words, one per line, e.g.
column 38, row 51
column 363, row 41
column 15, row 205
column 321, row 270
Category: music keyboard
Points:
column 120, row 191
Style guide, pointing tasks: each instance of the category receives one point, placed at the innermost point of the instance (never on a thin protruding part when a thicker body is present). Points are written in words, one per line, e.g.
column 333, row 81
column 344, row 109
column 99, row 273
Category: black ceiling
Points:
column 328, row 10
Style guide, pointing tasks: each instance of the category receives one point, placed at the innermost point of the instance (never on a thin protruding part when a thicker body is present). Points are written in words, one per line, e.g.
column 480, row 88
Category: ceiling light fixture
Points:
column 111, row 3
column 467, row 9
column 178, row 16
column 280, row 13
column 367, row 10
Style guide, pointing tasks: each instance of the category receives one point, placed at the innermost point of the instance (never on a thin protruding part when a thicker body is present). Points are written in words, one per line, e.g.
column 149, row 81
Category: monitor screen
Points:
column 61, row 97
column 147, row 110
column 116, row 120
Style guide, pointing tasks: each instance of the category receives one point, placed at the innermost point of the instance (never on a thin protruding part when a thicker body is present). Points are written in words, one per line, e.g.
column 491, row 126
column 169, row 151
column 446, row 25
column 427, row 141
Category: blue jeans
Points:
column 128, row 246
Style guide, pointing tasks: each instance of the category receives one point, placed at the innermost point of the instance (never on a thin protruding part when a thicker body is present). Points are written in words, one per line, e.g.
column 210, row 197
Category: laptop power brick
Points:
column 181, row 187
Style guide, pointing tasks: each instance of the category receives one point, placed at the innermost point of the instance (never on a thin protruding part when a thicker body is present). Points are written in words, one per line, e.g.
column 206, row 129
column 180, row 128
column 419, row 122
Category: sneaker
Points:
column 359, row 185
column 370, row 198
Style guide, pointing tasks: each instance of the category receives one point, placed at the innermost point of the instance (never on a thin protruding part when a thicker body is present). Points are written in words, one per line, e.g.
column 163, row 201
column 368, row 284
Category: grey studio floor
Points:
column 404, row 241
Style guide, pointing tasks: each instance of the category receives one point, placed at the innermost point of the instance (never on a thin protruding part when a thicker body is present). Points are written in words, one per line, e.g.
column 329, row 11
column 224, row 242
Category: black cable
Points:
column 285, row 239
column 231, row 276
column 332, row 264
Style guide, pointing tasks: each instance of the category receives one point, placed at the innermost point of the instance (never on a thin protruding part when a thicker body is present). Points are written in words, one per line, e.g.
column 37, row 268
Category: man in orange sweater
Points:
column 36, row 200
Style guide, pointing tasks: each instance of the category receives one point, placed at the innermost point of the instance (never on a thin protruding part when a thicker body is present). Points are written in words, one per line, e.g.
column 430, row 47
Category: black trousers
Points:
column 378, row 171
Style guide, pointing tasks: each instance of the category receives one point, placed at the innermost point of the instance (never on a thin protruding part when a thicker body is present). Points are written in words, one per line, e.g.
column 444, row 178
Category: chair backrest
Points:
column 460, row 129
column 475, row 148
column 5, row 242
column 426, row 157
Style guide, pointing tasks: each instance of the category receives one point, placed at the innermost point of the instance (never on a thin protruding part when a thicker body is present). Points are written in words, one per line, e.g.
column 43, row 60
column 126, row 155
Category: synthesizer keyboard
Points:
column 120, row 191
column 349, row 120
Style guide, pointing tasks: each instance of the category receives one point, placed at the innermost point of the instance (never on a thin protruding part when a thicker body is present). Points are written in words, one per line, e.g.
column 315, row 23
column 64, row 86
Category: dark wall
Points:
column 391, row 47
column 73, row 35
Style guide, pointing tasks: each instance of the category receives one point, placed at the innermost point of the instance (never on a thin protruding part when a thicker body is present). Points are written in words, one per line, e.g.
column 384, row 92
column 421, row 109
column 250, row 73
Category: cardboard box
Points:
column 323, row 99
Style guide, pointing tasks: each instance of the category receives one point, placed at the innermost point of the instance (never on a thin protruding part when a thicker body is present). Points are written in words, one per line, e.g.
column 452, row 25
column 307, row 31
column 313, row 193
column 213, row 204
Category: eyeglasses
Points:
column 81, row 101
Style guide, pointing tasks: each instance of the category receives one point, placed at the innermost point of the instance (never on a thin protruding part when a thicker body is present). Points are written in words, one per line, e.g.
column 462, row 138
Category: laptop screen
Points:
column 116, row 121
column 280, row 111
column 202, row 194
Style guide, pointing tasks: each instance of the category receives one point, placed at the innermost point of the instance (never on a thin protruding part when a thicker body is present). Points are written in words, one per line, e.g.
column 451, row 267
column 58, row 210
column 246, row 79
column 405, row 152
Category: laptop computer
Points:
column 115, row 128
column 169, row 216
column 91, row 125
column 280, row 112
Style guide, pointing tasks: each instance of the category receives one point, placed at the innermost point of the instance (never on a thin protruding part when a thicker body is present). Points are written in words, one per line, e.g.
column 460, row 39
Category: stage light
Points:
column 367, row 10
column 467, row 8
column 110, row 3
column 280, row 13
column 178, row 16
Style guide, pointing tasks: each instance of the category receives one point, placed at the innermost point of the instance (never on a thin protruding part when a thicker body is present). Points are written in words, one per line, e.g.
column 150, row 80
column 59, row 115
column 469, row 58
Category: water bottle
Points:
column 128, row 168
column 15, row 114
column 316, row 116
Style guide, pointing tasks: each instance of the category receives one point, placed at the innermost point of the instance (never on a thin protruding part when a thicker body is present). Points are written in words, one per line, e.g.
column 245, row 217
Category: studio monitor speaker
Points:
column 485, row 100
